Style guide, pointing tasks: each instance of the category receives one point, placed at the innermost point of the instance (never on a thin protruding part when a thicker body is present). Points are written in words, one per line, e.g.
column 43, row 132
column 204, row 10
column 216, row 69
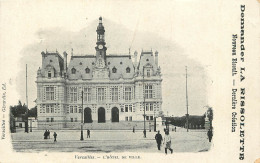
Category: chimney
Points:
column 135, row 55
column 65, row 62
column 156, row 58
column 43, row 56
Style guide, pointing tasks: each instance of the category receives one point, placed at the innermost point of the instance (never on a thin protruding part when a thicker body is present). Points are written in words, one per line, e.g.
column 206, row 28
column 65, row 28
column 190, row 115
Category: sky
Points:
column 178, row 30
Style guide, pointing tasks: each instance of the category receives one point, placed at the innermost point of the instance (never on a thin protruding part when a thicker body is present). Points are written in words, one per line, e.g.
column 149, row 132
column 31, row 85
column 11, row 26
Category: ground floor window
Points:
column 52, row 119
column 71, row 119
column 149, row 117
column 126, row 118
column 130, row 118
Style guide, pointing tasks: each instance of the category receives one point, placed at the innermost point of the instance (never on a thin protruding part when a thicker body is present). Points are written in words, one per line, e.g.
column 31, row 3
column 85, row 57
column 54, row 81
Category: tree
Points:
column 18, row 110
column 33, row 112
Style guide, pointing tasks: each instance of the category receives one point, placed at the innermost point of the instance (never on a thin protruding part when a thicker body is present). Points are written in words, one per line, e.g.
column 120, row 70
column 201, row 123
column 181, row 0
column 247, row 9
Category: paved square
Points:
column 108, row 141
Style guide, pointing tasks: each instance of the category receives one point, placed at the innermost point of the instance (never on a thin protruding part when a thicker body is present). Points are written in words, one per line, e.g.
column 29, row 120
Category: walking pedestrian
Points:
column 55, row 136
column 45, row 134
column 48, row 133
column 210, row 134
column 88, row 133
column 167, row 142
column 158, row 138
column 134, row 129
column 175, row 128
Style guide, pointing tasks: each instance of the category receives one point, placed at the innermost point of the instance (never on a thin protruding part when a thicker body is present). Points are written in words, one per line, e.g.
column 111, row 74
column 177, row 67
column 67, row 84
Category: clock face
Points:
column 100, row 46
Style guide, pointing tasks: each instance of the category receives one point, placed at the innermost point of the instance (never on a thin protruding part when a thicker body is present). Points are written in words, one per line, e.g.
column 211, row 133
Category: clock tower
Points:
column 100, row 48
column 100, row 70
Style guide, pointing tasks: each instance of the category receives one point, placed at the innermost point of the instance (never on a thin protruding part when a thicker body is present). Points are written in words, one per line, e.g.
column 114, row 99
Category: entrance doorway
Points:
column 101, row 115
column 115, row 114
column 87, row 115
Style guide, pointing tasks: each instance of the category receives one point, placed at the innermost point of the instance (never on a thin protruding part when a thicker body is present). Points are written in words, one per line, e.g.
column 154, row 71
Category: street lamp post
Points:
column 154, row 119
column 81, row 136
column 144, row 104
column 187, row 116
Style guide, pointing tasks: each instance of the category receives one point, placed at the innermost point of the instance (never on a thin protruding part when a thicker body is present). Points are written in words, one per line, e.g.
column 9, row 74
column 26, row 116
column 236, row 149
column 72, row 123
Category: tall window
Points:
column 128, row 93
column 149, row 107
column 114, row 92
column 49, row 93
column 73, row 94
column 71, row 109
column 130, row 118
column 101, row 94
column 128, row 108
column 75, row 109
column 148, row 91
column 52, row 119
column 148, row 73
column 49, row 74
column 52, row 108
column 47, row 108
column 47, row 119
column 87, row 94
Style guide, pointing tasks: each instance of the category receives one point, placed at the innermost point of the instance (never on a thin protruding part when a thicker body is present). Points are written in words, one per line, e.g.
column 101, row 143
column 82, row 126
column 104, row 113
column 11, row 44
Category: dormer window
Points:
column 80, row 63
column 49, row 74
column 148, row 73
column 87, row 70
column 114, row 70
column 73, row 71
column 127, row 70
column 147, row 59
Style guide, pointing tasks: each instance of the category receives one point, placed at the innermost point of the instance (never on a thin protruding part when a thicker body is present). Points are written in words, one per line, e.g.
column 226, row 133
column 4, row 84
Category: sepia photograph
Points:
column 130, row 81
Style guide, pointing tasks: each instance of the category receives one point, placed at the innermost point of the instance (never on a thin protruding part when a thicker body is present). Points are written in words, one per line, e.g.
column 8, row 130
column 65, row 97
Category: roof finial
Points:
column 129, row 51
column 71, row 51
column 100, row 19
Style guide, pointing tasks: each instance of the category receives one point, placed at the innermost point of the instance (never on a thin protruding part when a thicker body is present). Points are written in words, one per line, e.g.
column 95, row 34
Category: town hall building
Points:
column 104, row 91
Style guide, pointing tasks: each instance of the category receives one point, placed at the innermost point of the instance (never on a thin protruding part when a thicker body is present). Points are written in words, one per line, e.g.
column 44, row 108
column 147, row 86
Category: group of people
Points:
column 47, row 135
column 166, row 141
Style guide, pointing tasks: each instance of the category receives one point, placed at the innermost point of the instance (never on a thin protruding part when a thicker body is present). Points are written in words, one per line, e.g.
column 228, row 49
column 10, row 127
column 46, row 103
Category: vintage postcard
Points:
column 130, row 81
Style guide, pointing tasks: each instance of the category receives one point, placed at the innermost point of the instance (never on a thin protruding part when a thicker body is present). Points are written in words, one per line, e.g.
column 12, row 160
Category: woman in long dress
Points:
column 167, row 142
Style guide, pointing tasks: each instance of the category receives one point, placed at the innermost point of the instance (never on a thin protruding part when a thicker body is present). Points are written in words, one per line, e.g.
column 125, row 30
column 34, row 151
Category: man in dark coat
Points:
column 210, row 134
column 45, row 134
column 55, row 136
column 158, row 138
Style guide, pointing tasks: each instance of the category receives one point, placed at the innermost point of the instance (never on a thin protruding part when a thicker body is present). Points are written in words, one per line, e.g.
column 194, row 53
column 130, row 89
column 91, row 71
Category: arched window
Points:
column 49, row 74
column 87, row 70
column 114, row 70
column 73, row 71
column 127, row 70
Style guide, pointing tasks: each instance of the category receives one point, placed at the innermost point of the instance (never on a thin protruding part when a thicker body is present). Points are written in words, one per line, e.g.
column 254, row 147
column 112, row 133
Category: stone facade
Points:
column 114, row 88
